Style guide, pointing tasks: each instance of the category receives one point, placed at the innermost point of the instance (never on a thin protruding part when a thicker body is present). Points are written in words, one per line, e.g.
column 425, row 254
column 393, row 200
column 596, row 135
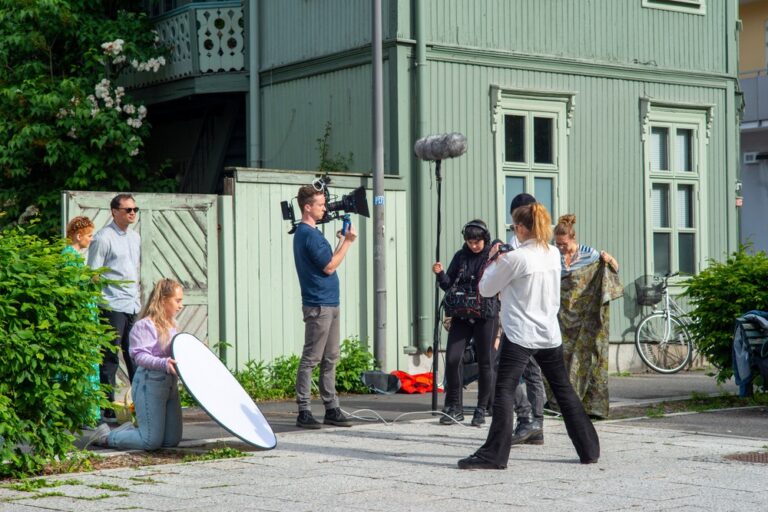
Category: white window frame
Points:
column 556, row 105
column 673, row 118
column 686, row 6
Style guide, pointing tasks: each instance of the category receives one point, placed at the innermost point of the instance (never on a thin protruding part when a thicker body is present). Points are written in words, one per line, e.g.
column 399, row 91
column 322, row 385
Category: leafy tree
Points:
column 719, row 295
column 66, row 122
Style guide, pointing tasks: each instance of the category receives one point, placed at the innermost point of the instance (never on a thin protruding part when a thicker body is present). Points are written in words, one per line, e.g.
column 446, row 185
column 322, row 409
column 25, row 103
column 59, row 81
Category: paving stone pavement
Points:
column 412, row 466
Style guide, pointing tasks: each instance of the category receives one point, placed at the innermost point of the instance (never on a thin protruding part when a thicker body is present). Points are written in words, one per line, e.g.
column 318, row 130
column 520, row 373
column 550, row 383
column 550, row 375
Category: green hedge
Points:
column 49, row 342
column 719, row 295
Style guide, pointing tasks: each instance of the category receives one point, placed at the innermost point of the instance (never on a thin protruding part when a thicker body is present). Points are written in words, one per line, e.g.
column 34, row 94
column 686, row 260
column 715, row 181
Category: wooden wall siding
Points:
column 178, row 241
column 194, row 319
column 297, row 30
column 268, row 298
column 616, row 31
column 605, row 160
column 295, row 114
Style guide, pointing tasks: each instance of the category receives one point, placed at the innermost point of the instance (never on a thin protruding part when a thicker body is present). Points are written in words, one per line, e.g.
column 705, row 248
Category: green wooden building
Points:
column 624, row 112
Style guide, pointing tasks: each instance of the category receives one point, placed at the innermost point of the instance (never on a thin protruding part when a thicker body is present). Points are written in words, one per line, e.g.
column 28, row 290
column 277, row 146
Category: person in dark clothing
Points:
column 472, row 316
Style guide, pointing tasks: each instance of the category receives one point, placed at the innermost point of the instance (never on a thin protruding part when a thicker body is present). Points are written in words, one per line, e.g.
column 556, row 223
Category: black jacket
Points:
column 465, row 268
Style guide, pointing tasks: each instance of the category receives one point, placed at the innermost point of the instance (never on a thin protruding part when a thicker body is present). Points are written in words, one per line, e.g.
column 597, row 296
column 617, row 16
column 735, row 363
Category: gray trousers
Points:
column 321, row 345
column 529, row 395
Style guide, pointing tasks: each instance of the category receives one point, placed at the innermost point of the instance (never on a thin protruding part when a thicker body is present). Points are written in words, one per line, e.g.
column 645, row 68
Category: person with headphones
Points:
column 472, row 316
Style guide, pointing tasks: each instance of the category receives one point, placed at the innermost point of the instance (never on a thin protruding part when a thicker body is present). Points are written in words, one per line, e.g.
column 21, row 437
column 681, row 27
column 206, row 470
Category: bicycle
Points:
column 662, row 338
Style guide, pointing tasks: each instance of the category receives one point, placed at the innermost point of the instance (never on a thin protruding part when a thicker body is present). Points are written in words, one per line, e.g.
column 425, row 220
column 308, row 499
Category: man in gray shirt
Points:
column 118, row 248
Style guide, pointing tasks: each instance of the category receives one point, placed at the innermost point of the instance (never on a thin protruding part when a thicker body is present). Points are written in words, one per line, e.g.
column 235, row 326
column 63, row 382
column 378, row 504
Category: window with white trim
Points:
column 688, row 6
column 674, row 168
column 531, row 149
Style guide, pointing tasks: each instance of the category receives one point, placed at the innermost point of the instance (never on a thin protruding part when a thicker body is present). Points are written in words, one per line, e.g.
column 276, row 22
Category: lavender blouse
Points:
column 145, row 347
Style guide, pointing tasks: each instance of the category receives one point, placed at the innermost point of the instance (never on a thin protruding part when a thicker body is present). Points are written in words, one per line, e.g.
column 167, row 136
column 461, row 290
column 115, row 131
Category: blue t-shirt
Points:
column 312, row 253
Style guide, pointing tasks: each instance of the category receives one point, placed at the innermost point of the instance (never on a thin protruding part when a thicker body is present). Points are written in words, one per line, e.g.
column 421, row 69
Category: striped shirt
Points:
column 584, row 256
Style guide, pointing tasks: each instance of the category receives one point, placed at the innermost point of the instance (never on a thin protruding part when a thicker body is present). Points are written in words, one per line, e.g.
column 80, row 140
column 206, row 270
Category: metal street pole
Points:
column 379, row 243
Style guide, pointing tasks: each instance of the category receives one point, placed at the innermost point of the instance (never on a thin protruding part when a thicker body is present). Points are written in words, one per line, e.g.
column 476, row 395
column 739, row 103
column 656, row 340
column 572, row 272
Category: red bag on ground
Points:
column 418, row 383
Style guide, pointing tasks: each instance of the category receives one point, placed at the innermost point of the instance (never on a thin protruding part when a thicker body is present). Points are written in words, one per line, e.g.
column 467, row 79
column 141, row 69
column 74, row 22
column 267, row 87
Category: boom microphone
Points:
column 440, row 147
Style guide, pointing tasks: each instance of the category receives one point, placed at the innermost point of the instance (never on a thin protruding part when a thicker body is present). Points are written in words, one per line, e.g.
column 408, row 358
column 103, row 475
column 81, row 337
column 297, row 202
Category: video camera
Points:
column 354, row 202
column 502, row 248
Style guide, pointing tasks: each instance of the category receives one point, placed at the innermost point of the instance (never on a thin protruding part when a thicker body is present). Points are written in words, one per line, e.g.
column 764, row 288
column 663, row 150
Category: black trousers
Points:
column 513, row 360
column 122, row 323
column 461, row 333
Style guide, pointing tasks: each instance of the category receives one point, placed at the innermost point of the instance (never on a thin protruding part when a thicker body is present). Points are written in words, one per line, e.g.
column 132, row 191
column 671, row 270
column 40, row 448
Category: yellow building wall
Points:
column 752, row 41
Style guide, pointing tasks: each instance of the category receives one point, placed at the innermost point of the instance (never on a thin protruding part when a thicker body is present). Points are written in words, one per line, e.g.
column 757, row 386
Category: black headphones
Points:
column 478, row 225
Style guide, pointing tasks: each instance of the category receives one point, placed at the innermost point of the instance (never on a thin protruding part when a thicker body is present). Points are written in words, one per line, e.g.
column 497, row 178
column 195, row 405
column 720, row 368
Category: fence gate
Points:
column 178, row 241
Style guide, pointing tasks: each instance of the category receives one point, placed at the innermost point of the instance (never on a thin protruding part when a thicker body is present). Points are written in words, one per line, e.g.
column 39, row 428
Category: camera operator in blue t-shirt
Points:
column 316, row 265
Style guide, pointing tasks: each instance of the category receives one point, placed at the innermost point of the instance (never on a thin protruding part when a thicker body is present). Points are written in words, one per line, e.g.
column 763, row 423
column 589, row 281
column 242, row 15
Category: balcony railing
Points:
column 203, row 37
column 754, row 86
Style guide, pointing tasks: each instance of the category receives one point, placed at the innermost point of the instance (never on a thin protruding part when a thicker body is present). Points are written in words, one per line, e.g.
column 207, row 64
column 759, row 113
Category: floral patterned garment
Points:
column 584, row 314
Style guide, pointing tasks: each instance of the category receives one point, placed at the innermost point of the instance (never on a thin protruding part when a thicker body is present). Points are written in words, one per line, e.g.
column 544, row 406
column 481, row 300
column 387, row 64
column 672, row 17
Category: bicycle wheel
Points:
column 663, row 343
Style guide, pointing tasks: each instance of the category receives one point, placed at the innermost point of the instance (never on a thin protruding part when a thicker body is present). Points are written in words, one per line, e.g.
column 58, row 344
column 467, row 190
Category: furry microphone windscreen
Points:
column 441, row 146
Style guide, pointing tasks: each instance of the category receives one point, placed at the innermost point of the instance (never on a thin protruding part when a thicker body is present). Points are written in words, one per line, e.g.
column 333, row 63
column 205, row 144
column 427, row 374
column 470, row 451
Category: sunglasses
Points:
column 129, row 210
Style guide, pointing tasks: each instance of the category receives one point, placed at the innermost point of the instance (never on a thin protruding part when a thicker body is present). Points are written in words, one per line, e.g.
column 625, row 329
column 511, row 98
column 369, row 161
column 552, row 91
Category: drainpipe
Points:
column 253, row 122
column 420, row 189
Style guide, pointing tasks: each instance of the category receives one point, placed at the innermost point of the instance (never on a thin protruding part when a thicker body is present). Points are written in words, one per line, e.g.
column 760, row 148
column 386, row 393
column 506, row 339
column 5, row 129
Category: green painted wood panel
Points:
column 298, row 30
column 294, row 115
column 268, row 298
column 616, row 31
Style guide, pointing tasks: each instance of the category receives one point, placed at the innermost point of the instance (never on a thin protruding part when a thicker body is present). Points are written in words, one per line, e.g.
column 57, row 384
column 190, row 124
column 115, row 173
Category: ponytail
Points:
column 536, row 219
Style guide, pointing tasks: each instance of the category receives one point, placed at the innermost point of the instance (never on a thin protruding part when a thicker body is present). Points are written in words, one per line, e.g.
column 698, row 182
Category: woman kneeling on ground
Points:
column 529, row 282
column 155, row 388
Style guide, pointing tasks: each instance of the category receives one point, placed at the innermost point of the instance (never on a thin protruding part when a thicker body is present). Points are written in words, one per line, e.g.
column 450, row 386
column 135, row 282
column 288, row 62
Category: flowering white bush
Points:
column 105, row 97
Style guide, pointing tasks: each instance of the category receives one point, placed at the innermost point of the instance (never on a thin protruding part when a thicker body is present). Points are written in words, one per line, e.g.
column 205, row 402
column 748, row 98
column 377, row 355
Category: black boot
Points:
column 528, row 432
column 479, row 417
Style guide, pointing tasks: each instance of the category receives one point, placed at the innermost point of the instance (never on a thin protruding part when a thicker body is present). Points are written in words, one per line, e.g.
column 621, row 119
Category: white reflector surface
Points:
column 218, row 392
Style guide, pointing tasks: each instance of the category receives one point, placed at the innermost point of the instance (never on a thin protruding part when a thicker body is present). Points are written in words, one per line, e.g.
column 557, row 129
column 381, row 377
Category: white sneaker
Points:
column 97, row 436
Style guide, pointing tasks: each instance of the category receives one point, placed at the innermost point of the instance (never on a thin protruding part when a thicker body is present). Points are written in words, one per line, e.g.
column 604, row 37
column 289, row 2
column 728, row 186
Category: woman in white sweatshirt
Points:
column 528, row 280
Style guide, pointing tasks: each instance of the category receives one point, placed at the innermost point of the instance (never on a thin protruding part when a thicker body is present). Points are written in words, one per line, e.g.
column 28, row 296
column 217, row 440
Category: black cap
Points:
column 521, row 200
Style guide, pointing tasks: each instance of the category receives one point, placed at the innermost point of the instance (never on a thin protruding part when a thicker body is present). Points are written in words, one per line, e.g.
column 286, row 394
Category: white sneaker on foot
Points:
column 97, row 436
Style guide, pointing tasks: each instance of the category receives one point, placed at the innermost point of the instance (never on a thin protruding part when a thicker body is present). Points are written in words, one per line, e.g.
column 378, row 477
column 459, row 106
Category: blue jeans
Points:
column 158, row 412
column 512, row 362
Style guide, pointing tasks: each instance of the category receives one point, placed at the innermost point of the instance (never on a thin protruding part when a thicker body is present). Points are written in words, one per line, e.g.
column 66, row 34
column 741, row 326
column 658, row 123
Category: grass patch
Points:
column 622, row 374
column 98, row 497
column 108, row 487
column 143, row 480
column 39, row 483
column 215, row 454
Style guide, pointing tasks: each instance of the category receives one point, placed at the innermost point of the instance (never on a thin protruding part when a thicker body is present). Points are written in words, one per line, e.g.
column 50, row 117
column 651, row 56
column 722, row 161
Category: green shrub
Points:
column 355, row 359
column 282, row 375
column 255, row 379
column 49, row 341
column 719, row 295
